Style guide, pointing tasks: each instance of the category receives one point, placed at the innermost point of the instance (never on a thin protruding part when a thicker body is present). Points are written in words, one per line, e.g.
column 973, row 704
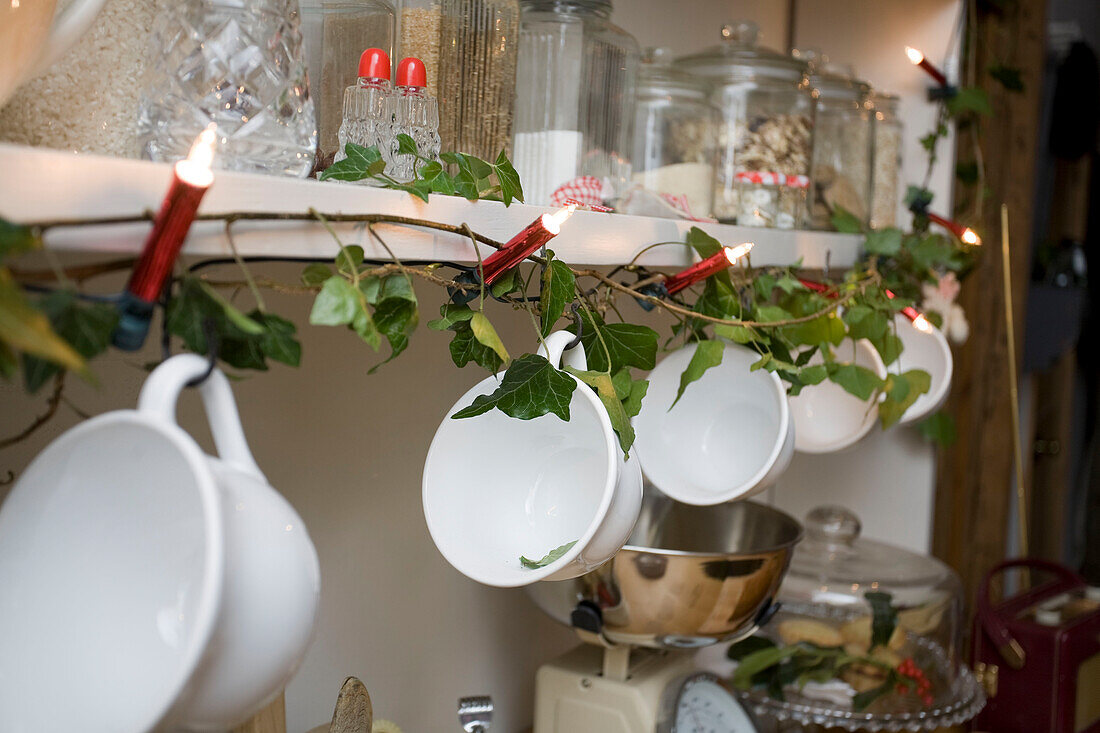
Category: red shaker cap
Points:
column 374, row 64
column 411, row 73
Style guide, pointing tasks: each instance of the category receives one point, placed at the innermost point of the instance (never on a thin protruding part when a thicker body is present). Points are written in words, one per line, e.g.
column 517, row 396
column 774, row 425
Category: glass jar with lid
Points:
column 882, row 625
column 764, row 137
column 675, row 133
column 885, row 195
column 575, row 86
column 843, row 146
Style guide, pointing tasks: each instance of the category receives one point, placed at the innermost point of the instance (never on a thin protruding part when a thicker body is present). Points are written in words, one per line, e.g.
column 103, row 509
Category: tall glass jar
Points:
column 469, row 48
column 335, row 33
column 843, row 148
column 675, row 133
column 240, row 65
column 887, row 156
column 575, row 87
column 764, row 138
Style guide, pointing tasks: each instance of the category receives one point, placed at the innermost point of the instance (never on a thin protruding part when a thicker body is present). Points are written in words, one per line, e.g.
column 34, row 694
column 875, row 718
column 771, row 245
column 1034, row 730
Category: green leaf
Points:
column 406, row 145
column 889, row 347
column 757, row 662
column 396, row 286
column 772, row 313
column 235, row 316
column 356, row 166
column 371, row 288
column 632, row 403
column 558, row 286
column 739, row 650
column 487, row 335
column 865, row 322
column 476, row 166
column 556, row 554
column 437, row 179
column 465, row 348
column 349, row 259
column 736, row 334
column 336, row 304
column 1010, row 77
column 815, row 374
column 395, row 318
column 16, row 239
column 826, row 329
column 277, row 341
column 466, row 186
column 510, row 187
column 86, row 327
column 719, row 300
column 969, row 99
column 531, row 387
column 845, row 221
column 450, row 314
column 627, row 344
column 884, row 617
column 9, row 364
column 509, row 282
column 315, row 274
column 856, row 380
column 917, row 198
column 901, row 391
column 939, row 428
column 707, row 354
column 609, row 397
column 862, row 700
column 885, row 242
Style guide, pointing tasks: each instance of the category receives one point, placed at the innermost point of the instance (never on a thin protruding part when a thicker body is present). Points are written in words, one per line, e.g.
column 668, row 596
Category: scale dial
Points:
column 698, row 703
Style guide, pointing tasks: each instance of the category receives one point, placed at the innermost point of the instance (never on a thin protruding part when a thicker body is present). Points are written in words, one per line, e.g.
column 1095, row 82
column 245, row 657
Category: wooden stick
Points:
column 1022, row 512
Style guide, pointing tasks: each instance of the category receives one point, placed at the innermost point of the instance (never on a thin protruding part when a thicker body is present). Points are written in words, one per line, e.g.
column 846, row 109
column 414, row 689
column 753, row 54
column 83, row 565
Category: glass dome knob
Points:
column 743, row 31
column 833, row 525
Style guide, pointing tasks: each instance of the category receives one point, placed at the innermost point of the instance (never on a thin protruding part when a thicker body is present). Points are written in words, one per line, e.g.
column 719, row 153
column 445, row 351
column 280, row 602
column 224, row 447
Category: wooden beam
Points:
column 974, row 476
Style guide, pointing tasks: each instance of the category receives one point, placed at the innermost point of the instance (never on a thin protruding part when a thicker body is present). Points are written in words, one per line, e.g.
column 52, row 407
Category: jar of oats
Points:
column 675, row 134
column 762, row 172
column 885, row 196
column 843, row 147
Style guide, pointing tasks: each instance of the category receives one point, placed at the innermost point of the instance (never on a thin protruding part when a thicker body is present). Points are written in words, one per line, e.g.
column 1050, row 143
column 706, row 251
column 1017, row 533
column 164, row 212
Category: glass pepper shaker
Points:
column 416, row 114
column 367, row 118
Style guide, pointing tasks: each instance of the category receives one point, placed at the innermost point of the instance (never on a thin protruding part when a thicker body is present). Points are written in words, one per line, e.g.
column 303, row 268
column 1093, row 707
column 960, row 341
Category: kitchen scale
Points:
column 688, row 577
column 625, row 690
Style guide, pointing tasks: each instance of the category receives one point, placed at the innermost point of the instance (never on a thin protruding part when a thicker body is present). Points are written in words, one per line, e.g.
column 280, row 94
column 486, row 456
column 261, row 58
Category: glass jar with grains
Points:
column 842, row 146
column 764, row 137
column 675, row 133
column 887, row 157
column 469, row 50
column 575, row 84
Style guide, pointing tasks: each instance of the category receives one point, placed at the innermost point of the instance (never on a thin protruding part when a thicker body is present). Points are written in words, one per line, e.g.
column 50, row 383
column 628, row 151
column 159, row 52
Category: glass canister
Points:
column 469, row 48
column 240, row 65
column 843, row 147
column 764, row 138
column 575, row 91
column 335, row 33
column 875, row 631
column 675, row 133
column 886, row 178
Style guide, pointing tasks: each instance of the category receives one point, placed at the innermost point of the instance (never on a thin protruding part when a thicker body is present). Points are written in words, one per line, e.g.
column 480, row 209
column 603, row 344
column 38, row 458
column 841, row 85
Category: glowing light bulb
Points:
column 969, row 236
column 915, row 55
column 735, row 253
column 195, row 170
column 922, row 324
column 553, row 222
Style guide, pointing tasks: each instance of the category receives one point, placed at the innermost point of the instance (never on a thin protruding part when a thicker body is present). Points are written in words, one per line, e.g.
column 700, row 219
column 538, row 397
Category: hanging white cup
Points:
column 496, row 488
column 158, row 587
column 924, row 347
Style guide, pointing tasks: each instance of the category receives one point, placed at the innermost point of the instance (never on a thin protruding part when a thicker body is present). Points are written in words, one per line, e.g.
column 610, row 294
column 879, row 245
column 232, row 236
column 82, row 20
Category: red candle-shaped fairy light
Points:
column 705, row 268
column 965, row 234
column 524, row 244
column 191, row 178
column 917, row 58
column 915, row 316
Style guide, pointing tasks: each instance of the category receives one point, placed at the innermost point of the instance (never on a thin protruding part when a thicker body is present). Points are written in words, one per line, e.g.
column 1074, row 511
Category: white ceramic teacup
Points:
column 827, row 418
column 729, row 437
column 496, row 487
column 924, row 348
column 152, row 586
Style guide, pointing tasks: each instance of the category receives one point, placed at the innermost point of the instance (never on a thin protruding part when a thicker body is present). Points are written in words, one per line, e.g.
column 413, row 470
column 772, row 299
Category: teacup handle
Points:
column 162, row 389
column 553, row 348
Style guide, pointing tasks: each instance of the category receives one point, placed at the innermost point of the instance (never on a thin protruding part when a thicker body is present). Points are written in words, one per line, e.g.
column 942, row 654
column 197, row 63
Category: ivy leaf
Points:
column 437, row 179
column 885, row 242
column 889, row 347
column 826, row 329
column 939, row 428
column 856, row 380
column 356, row 166
column 861, row 700
column 1010, row 77
column 465, row 348
column 337, row 303
column 969, row 99
column 87, row 328
column 736, row 334
column 917, row 198
column 406, row 145
column 16, row 239
column 707, row 354
column 609, row 397
column 510, row 187
column 632, row 403
column 450, row 314
column 349, row 259
column 476, row 166
column 487, row 335
column 558, row 285
column 757, row 662
column 628, row 344
column 277, row 341
column 8, row 362
column 884, row 617
column 772, row 313
column 812, row 375
column 506, row 284
column 315, row 274
column 531, row 388
column 466, row 186
column 902, row 390
column 554, row 555
column 719, row 299
column 845, row 221
column 395, row 318
column 738, row 651
column 865, row 322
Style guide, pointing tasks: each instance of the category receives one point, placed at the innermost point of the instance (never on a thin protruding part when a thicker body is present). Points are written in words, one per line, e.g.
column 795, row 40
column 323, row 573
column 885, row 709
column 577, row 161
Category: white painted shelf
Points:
column 38, row 184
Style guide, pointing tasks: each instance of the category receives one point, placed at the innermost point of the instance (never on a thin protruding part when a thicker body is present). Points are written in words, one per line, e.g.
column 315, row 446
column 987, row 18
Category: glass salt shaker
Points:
column 367, row 117
column 239, row 65
column 416, row 114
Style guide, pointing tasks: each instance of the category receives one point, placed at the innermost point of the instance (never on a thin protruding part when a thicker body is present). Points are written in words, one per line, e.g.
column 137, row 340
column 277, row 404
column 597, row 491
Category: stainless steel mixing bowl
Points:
column 688, row 576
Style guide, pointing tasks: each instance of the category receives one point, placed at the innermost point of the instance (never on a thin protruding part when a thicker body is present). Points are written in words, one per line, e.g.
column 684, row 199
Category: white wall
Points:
column 347, row 448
